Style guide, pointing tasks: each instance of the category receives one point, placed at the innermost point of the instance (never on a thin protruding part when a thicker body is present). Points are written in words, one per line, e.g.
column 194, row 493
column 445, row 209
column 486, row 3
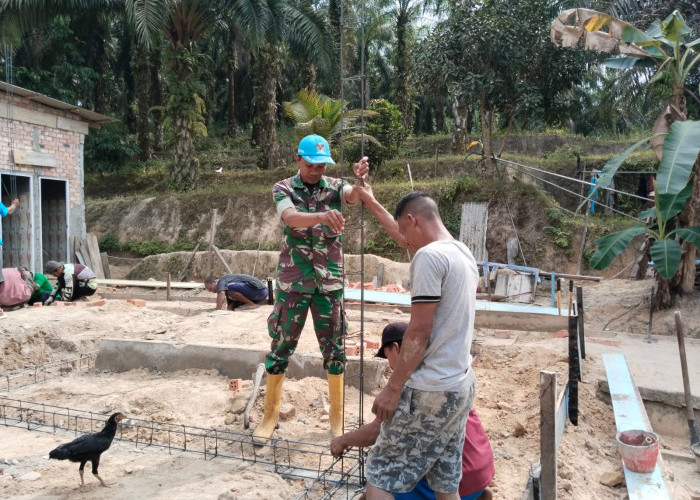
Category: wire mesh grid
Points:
column 324, row 476
column 41, row 373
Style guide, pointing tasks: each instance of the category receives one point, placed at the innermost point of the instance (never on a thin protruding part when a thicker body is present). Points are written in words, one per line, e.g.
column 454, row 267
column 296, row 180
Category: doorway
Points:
column 54, row 221
column 17, row 228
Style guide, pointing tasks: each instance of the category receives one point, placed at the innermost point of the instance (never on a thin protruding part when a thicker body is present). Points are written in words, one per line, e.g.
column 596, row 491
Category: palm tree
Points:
column 183, row 23
column 296, row 29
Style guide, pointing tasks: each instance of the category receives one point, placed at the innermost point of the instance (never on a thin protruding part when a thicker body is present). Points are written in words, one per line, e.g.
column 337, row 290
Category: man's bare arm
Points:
column 385, row 218
column 412, row 349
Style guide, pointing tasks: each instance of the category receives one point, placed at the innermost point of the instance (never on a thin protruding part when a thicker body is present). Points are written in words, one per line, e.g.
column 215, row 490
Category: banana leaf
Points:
column 671, row 205
column 612, row 245
column 691, row 234
column 680, row 151
column 666, row 255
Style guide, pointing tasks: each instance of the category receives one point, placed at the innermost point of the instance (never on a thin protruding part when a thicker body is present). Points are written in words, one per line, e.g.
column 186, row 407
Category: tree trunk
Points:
column 101, row 65
column 404, row 91
column 232, row 60
column 684, row 279
column 663, row 298
column 308, row 75
column 486, row 122
column 460, row 132
column 440, row 114
column 267, row 71
column 143, row 105
column 184, row 173
column 156, row 89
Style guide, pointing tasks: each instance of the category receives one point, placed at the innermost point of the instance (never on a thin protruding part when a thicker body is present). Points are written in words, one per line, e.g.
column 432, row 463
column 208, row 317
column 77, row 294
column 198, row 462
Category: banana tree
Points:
column 673, row 188
column 662, row 45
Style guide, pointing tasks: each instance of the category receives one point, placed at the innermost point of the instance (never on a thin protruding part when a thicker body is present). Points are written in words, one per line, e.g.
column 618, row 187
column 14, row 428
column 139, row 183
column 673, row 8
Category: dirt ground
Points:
column 507, row 397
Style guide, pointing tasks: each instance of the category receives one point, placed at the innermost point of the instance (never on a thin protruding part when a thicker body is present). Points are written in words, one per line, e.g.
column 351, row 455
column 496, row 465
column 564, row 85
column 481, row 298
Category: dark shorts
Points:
column 249, row 292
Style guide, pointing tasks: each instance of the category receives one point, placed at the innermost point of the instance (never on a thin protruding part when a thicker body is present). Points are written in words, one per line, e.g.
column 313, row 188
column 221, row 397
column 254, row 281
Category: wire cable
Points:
column 573, row 179
column 571, row 192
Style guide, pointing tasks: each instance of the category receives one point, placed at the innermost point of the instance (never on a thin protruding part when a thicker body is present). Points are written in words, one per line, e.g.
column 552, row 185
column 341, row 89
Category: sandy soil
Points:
column 507, row 398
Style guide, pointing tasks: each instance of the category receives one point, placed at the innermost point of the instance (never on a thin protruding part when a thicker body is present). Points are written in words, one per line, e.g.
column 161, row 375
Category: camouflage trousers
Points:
column 287, row 321
column 425, row 437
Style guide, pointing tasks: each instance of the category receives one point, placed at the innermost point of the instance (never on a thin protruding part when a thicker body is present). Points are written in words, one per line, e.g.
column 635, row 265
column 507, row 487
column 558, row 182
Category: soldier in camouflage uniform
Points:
column 309, row 275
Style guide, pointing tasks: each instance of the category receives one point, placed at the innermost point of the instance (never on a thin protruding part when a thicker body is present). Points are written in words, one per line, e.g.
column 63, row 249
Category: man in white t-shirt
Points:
column 426, row 402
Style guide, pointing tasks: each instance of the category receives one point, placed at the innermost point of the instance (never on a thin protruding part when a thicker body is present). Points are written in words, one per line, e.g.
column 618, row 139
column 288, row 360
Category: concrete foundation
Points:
column 118, row 355
column 666, row 410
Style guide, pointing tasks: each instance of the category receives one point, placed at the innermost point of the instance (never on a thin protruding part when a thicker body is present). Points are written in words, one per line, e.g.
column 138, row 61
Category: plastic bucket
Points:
column 696, row 451
column 639, row 449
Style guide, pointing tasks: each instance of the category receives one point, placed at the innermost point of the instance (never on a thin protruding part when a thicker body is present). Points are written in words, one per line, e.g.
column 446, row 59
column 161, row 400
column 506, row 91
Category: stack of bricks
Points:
column 370, row 345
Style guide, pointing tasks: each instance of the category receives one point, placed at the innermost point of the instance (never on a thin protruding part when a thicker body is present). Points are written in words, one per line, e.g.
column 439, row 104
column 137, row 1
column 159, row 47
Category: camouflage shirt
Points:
column 311, row 258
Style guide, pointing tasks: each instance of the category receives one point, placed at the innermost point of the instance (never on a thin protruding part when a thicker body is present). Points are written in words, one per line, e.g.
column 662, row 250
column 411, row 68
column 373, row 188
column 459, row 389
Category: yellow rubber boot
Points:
column 335, row 393
column 273, row 398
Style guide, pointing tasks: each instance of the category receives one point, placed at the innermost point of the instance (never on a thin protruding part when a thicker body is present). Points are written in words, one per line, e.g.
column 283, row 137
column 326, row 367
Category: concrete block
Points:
column 97, row 303
column 137, row 302
column 120, row 355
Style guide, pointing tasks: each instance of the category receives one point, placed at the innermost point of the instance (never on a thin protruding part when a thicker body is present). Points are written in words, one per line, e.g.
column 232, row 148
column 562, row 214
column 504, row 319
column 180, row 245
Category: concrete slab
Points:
column 119, row 355
column 657, row 372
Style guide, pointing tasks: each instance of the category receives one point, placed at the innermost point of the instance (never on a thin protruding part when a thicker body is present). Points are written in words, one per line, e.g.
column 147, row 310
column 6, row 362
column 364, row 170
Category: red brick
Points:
column 371, row 344
column 352, row 350
column 38, row 304
column 501, row 334
column 69, row 303
column 97, row 303
column 137, row 302
column 561, row 334
column 59, row 303
column 235, row 384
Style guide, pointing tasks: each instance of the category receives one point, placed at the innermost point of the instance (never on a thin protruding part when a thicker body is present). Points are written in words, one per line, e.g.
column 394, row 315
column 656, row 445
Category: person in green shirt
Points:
column 42, row 290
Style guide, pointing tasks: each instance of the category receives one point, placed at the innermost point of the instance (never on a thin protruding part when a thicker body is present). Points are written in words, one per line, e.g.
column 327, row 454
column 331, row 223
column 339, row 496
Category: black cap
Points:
column 393, row 332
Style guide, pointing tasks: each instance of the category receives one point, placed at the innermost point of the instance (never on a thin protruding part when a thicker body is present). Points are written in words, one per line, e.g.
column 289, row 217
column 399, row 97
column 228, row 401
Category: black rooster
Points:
column 89, row 447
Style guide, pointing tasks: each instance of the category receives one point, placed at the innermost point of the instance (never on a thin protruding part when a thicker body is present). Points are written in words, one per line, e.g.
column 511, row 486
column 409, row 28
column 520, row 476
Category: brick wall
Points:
column 66, row 145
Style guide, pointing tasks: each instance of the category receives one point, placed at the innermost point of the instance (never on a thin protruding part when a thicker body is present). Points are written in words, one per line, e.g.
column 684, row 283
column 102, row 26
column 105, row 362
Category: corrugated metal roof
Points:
column 94, row 119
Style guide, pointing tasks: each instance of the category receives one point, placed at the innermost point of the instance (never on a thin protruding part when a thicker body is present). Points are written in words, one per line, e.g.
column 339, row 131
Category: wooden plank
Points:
column 85, row 251
column 575, row 370
column 95, row 258
column 221, row 259
column 105, row 264
column 579, row 314
column 183, row 273
column 212, row 235
column 149, row 284
column 548, row 434
column 79, row 257
column 34, row 158
column 630, row 414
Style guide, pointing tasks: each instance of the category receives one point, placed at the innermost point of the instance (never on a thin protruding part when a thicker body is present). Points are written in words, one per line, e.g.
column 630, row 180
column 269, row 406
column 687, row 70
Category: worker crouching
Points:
column 309, row 276
column 74, row 281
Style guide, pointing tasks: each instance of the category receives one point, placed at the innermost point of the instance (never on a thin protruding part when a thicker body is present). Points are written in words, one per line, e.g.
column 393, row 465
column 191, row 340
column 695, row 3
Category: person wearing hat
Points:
column 74, row 281
column 309, row 275
column 478, row 468
column 426, row 401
